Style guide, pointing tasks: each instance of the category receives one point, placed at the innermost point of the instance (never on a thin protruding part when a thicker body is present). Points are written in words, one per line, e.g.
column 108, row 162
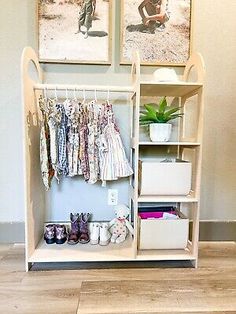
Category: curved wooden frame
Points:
column 196, row 60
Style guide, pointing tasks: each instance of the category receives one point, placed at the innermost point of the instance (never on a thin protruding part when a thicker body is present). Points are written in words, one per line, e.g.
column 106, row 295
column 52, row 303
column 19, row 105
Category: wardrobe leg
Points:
column 194, row 263
column 29, row 266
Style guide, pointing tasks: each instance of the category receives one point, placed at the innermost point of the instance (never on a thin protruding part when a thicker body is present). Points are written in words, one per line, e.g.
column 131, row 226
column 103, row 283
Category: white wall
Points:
column 213, row 37
column 16, row 24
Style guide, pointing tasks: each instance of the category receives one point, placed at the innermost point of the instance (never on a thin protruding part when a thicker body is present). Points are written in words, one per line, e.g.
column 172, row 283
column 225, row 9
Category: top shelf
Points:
column 177, row 89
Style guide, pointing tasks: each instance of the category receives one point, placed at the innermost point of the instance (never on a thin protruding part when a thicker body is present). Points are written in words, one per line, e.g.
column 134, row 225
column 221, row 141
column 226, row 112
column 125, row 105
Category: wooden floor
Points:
column 209, row 289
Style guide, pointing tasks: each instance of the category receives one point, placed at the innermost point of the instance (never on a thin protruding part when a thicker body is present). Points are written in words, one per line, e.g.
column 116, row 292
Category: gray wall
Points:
column 212, row 37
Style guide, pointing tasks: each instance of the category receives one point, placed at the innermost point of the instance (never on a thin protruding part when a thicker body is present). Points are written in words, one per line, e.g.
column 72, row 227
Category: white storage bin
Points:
column 165, row 178
column 163, row 234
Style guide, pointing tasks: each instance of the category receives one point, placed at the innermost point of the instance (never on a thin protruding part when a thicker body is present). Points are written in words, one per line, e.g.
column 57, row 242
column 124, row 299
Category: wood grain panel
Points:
column 158, row 296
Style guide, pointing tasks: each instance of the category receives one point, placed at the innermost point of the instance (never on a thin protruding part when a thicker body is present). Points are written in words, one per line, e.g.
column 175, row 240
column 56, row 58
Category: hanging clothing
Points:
column 71, row 110
column 114, row 163
column 47, row 171
column 93, row 158
column 83, row 136
column 53, row 121
column 62, row 140
column 81, row 139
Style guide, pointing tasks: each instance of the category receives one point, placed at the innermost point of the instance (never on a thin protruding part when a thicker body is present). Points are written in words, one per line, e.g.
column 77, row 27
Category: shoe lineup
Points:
column 79, row 231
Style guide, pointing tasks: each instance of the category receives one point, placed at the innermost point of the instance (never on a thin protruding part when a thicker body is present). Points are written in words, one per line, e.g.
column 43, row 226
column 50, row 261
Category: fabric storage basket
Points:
column 163, row 234
column 164, row 178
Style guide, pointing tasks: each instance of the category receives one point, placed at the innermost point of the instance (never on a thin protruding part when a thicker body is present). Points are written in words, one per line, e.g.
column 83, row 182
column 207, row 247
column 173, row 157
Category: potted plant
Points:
column 157, row 116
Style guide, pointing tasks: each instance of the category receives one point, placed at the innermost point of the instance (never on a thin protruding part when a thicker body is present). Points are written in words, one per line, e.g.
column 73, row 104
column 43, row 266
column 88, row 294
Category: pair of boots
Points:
column 79, row 229
column 55, row 233
column 100, row 233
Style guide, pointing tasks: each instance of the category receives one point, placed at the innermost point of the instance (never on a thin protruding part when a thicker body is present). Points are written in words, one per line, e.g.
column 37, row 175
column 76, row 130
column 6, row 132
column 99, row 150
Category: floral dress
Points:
column 47, row 171
column 71, row 110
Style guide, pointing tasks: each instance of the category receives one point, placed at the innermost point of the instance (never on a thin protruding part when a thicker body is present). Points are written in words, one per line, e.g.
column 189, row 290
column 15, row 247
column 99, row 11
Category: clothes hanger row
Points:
column 74, row 94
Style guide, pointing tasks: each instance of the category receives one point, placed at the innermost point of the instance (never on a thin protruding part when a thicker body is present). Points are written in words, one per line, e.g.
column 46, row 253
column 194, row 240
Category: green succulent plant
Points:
column 159, row 113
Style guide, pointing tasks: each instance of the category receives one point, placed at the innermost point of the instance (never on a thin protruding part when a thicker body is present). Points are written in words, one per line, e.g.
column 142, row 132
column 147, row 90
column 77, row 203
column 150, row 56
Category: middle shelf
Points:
column 168, row 198
column 185, row 144
column 190, row 198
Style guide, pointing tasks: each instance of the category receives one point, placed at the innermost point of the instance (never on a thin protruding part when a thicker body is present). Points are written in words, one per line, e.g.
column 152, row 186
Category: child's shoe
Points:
column 61, row 234
column 95, row 232
column 74, row 232
column 83, row 228
column 105, row 235
column 49, row 234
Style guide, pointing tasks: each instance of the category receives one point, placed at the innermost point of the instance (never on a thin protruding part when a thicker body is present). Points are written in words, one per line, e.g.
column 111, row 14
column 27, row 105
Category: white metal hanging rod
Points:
column 99, row 88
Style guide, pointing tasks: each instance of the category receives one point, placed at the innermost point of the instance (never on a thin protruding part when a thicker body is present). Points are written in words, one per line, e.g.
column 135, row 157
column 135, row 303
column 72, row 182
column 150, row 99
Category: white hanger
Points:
column 84, row 96
column 108, row 95
column 75, row 98
column 45, row 92
column 55, row 93
column 95, row 95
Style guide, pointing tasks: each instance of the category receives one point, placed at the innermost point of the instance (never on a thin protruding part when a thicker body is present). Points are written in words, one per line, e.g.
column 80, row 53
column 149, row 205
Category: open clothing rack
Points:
column 37, row 251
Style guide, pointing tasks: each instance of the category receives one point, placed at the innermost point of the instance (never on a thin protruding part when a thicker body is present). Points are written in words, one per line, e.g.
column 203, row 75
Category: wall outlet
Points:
column 112, row 197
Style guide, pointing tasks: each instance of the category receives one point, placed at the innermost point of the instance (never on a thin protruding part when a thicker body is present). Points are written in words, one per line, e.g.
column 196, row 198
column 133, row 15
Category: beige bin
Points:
column 163, row 234
column 165, row 178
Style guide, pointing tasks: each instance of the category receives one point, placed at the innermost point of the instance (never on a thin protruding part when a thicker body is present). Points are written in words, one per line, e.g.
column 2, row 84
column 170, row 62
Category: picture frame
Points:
column 58, row 38
column 169, row 46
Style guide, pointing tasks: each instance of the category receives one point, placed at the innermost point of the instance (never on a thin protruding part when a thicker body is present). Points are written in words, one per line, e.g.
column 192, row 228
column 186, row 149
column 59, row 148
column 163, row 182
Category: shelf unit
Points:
column 186, row 144
column 34, row 195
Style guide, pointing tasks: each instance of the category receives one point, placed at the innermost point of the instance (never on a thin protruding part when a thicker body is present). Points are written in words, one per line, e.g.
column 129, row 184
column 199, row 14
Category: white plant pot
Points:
column 160, row 132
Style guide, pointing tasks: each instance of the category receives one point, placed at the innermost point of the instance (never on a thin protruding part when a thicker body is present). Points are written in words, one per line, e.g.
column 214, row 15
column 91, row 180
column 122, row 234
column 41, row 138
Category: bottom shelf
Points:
column 83, row 252
column 164, row 255
column 95, row 253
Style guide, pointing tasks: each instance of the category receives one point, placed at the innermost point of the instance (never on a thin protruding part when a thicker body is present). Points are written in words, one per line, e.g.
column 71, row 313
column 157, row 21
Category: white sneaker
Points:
column 94, row 235
column 105, row 235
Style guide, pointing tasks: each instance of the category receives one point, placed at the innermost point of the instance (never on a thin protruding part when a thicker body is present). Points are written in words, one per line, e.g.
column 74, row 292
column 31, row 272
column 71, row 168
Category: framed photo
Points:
column 159, row 29
column 74, row 31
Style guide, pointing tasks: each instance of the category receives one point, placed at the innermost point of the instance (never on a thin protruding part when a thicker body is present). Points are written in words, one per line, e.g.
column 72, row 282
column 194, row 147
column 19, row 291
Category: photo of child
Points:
column 156, row 14
column 159, row 29
column 86, row 15
column 74, row 31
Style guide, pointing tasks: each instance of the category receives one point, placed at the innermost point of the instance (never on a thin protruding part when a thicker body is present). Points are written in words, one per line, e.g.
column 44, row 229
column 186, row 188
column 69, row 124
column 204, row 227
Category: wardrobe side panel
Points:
column 33, row 188
column 35, row 212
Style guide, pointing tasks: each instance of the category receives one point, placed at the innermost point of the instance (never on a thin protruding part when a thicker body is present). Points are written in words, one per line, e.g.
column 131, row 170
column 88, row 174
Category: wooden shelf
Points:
column 168, row 198
column 164, row 255
column 186, row 144
column 176, row 89
column 83, row 252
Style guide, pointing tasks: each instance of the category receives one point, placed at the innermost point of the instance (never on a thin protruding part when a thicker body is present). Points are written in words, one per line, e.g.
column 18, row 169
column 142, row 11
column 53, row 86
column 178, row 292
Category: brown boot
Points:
column 73, row 237
column 83, row 228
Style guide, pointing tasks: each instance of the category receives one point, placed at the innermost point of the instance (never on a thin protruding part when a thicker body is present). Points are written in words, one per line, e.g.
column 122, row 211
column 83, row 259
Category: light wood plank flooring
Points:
column 209, row 289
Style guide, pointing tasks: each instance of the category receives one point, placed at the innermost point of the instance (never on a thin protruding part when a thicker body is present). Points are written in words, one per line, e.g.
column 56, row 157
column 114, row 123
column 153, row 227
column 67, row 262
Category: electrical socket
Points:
column 112, row 197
